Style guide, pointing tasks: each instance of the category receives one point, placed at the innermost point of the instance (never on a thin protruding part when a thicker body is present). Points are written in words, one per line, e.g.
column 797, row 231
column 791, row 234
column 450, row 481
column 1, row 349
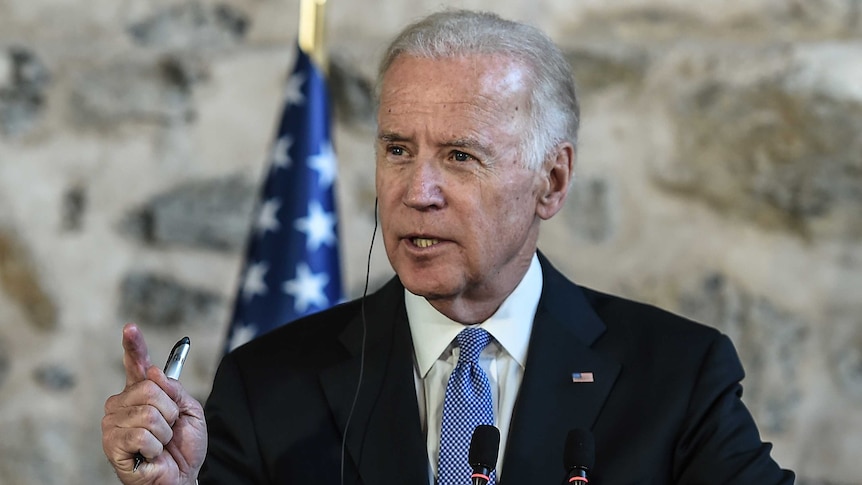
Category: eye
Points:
column 395, row 150
column 461, row 156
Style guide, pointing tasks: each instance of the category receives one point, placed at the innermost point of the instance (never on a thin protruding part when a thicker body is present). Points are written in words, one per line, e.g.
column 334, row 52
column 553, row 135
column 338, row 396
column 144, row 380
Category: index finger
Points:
column 136, row 358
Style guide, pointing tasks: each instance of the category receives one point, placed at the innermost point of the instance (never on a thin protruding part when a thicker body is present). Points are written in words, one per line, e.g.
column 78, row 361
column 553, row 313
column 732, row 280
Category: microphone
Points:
column 484, row 447
column 579, row 456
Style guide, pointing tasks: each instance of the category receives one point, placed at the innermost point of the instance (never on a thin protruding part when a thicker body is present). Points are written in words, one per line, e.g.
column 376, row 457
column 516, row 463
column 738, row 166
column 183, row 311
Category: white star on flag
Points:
column 267, row 220
column 242, row 333
column 253, row 283
column 318, row 226
column 293, row 89
column 324, row 164
column 307, row 288
column 281, row 152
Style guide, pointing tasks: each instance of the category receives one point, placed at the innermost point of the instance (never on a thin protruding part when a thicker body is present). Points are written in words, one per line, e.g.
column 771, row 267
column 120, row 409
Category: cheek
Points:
column 386, row 184
column 515, row 193
column 388, row 198
column 515, row 206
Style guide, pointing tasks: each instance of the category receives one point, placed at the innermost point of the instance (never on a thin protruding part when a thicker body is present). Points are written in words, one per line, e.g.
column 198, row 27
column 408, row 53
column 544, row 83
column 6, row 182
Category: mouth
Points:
column 424, row 242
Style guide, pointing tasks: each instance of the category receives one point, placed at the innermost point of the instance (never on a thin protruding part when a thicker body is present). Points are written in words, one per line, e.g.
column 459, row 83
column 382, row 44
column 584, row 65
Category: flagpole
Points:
column 311, row 31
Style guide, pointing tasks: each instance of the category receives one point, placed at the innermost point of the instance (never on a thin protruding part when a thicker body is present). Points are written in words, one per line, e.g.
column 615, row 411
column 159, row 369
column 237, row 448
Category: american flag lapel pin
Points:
column 582, row 377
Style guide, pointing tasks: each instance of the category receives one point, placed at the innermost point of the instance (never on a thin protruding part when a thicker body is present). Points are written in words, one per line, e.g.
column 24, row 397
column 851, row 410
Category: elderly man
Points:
column 477, row 127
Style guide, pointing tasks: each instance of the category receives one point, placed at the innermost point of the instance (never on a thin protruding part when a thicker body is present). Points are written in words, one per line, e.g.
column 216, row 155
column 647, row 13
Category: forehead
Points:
column 493, row 80
column 481, row 99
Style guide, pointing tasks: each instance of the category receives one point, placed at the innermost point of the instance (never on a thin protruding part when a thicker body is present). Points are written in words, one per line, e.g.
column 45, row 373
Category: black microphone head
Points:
column 580, row 451
column 484, row 446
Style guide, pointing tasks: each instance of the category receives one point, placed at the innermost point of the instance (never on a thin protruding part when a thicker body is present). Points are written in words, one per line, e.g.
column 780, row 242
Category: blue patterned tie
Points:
column 467, row 404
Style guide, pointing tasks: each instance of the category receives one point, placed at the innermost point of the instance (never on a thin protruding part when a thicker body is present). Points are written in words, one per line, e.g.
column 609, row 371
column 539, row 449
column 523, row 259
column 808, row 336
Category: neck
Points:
column 480, row 304
column 467, row 312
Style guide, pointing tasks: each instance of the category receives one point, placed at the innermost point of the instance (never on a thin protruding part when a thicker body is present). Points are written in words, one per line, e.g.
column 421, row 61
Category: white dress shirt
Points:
column 502, row 360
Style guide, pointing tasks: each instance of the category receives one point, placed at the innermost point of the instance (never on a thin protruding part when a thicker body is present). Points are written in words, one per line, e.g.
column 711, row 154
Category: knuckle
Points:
column 107, row 423
column 108, row 443
column 173, row 414
column 134, row 438
column 150, row 390
column 111, row 403
column 168, row 436
column 149, row 416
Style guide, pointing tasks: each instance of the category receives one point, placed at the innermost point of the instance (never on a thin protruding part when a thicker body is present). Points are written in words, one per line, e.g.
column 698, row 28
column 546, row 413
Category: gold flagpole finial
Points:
column 311, row 31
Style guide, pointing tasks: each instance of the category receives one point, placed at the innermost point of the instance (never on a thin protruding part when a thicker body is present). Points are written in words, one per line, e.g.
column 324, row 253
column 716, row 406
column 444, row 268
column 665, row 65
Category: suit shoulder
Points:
column 653, row 343
column 645, row 320
column 616, row 316
column 303, row 339
column 315, row 338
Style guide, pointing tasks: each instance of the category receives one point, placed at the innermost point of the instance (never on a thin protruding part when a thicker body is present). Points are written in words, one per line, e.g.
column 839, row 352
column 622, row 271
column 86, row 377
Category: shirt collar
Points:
column 510, row 325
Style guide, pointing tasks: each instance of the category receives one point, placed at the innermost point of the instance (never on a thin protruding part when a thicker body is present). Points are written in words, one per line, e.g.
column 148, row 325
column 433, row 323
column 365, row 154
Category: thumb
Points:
column 136, row 358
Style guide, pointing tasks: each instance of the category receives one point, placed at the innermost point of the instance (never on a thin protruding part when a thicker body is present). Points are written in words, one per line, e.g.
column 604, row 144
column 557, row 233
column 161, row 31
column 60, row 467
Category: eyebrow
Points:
column 388, row 136
column 470, row 143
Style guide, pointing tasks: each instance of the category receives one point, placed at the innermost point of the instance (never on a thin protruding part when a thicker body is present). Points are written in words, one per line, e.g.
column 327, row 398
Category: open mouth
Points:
column 422, row 242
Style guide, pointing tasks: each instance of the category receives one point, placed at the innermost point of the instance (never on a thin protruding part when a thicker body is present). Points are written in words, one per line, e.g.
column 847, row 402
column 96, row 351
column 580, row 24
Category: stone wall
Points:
column 719, row 176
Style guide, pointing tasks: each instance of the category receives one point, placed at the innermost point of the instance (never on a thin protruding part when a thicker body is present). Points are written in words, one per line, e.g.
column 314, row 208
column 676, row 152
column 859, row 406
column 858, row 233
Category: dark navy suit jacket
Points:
column 664, row 406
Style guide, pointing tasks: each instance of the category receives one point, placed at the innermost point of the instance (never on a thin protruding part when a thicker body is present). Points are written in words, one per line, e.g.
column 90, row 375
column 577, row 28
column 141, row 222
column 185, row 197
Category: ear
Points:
column 557, row 173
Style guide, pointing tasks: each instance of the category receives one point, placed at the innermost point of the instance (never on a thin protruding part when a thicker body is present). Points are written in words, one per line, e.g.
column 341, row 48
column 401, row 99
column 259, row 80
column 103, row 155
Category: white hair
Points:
column 554, row 113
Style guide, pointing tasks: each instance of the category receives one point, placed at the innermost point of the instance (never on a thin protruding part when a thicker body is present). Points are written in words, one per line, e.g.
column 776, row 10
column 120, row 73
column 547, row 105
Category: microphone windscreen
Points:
column 484, row 446
column 580, row 450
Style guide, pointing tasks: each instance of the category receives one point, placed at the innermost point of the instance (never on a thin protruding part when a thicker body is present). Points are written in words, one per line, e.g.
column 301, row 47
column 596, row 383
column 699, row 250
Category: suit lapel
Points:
column 549, row 402
column 384, row 436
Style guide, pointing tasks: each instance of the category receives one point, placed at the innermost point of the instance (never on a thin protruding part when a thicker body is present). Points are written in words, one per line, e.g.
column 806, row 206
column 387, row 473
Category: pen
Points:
column 173, row 368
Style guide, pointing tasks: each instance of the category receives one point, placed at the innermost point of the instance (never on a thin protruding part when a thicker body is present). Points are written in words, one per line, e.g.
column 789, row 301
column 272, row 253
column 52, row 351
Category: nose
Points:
column 424, row 186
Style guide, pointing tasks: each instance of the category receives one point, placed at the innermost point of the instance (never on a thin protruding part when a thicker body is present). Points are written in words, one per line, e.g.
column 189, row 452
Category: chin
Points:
column 425, row 285
column 421, row 288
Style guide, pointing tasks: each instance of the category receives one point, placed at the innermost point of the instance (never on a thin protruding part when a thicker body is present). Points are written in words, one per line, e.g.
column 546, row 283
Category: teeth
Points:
column 424, row 243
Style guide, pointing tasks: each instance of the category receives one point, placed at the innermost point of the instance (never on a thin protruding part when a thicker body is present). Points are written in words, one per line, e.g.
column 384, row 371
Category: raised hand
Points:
column 153, row 416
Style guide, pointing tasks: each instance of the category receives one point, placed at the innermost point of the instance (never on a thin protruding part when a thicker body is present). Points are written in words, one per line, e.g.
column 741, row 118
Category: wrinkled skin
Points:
column 156, row 416
column 459, row 208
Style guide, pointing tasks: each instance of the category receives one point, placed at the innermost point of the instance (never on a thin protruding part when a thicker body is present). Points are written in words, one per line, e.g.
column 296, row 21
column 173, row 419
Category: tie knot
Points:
column 471, row 341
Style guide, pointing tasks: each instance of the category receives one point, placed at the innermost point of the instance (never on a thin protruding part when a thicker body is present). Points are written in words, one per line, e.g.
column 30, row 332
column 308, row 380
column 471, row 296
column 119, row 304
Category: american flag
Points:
column 582, row 377
column 292, row 262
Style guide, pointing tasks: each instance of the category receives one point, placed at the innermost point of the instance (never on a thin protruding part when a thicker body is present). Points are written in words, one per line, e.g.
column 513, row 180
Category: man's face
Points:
column 457, row 205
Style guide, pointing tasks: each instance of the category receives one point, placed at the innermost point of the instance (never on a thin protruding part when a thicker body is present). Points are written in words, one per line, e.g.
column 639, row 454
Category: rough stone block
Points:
column 143, row 90
column 845, row 352
column 210, row 214
column 55, row 377
column 810, row 19
column 820, row 481
column 754, row 149
column 600, row 66
column 22, row 284
column 162, row 301
column 591, row 209
column 4, row 362
column 646, row 21
column 352, row 92
column 7, row 75
column 23, row 82
column 74, row 208
column 191, row 25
